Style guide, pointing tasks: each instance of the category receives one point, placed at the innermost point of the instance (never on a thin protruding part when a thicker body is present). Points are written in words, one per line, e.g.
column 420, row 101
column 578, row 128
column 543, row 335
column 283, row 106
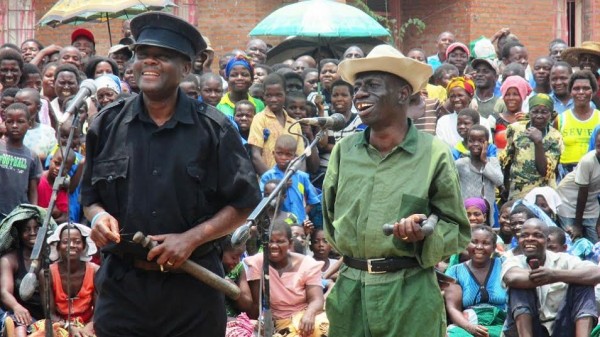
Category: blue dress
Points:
column 473, row 291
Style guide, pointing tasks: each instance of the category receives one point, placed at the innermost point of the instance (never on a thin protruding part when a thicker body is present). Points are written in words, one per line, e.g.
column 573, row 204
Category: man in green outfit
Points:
column 390, row 173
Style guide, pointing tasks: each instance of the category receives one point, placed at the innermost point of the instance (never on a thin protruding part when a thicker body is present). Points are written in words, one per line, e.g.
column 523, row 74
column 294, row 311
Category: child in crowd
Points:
column 232, row 256
column 40, row 138
column 270, row 124
column 244, row 113
column 211, row 88
column 299, row 241
column 257, row 90
column 321, row 250
column 20, row 168
column 479, row 174
column 465, row 120
column 297, row 106
column 60, row 212
column 76, row 171
column 301, row 194
column 7, row 98
column 557, row 240
column 190, row 87
column 580, row 246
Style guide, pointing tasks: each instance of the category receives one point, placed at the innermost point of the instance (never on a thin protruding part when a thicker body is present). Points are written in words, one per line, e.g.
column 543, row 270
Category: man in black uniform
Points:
column 174, row 169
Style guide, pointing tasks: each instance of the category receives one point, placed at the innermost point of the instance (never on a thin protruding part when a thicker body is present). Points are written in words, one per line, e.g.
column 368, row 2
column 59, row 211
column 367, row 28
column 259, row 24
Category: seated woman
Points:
column 72, row 247
column 26, row 219
column 476, row 304
column 295, row 281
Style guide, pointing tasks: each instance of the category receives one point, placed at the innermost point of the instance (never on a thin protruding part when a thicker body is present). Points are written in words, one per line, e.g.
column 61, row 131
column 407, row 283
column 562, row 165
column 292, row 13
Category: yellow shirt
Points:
column 576, row 135
column 265, row 130
column 436, row 91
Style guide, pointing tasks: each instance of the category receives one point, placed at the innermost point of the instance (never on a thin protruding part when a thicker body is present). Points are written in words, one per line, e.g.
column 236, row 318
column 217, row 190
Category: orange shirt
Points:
column 84, row 301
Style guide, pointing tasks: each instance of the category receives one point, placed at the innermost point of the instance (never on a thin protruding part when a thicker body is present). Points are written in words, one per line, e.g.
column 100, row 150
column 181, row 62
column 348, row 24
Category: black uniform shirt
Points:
column 166, row 179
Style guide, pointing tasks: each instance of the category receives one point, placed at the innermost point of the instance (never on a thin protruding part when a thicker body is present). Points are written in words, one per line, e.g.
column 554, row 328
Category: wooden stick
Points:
column 208, row 277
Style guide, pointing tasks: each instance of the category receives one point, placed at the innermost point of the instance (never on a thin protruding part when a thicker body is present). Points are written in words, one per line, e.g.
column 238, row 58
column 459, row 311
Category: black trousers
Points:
column 133, row 302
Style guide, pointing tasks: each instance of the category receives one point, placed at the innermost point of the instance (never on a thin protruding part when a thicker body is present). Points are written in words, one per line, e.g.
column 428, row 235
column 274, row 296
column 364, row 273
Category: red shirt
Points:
column 45, row 192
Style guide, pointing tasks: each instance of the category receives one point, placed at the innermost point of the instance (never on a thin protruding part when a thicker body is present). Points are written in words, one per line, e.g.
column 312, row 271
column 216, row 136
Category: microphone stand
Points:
column 260, row 218
column 40, row 255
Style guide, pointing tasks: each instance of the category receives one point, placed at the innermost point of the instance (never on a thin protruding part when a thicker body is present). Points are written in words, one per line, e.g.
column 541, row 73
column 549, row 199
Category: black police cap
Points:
column 166, row 30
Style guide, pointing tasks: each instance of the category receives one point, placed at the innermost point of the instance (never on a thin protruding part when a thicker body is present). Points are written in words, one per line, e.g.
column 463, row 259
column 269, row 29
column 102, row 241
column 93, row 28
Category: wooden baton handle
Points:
column 197, row 271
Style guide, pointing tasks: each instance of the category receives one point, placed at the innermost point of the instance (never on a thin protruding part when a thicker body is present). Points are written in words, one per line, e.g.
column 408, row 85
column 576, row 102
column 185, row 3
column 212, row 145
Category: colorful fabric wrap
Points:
column 462, row 82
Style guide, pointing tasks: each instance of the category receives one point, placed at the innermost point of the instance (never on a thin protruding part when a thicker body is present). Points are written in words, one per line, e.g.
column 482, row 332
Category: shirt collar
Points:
column 226, row 100
column 182, row 113
column 409, row 144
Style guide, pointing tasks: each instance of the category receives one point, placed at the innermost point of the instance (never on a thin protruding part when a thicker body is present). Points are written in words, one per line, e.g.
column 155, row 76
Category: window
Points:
column 574, row 20
column 186, row 9
column 17, row 21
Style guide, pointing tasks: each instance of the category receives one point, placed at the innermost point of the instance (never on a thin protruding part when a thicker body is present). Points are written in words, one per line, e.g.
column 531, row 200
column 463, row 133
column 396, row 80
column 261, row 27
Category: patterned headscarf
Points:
column 462, row 82
column 238, row 60
column 9, row 236
column 541, row 99
column 518, row 83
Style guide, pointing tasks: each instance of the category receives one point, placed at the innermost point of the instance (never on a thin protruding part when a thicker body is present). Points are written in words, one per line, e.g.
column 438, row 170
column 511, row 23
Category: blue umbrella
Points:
column 321, row 18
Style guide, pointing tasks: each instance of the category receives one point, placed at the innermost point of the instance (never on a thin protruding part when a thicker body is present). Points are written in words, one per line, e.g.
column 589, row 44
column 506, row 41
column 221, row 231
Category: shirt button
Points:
column 154, row 172
column 154, row 213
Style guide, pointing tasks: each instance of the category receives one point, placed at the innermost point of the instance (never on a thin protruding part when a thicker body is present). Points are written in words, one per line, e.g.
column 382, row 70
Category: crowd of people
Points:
column 523, row 133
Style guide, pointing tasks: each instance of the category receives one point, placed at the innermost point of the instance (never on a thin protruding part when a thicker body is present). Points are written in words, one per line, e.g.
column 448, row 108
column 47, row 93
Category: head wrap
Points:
column 551, row 196
column 477, row 202
column 90, row 246
column 9, row 236
column 458, row 45
column 462, row 82
column 518, row 83
column 108, row 81
column 238, row 60
column 541, row 99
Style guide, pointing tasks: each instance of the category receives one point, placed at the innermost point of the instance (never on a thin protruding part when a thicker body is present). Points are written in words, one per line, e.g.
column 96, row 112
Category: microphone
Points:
column 335, row 122
column 241, row 235
column 427, row 226
column 29, row 283
column 86, row 89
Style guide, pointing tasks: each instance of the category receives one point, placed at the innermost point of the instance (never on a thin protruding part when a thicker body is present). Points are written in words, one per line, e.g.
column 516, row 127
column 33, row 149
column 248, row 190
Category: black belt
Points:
column 382, row 265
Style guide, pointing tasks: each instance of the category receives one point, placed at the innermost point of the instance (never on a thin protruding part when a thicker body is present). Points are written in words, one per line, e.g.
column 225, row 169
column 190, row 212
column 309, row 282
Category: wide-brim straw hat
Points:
column 388, row 59
column 571, row 55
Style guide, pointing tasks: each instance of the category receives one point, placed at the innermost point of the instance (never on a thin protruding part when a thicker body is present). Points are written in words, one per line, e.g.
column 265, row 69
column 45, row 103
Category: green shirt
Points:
column 362, row 191
column 227, row 106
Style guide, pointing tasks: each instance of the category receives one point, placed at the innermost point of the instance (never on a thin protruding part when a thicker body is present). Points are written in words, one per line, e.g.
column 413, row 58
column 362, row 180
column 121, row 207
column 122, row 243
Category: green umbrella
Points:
column 321, row 18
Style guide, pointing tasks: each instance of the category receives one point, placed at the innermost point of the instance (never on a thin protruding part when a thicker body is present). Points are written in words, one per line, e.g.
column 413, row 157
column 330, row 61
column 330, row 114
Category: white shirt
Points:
column 446, row 129
column 550, row 295
column 587, row 173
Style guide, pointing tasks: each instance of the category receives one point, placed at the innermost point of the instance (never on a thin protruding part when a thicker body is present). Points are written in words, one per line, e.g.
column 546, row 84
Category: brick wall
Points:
column 61, row 35
column 228, row 22
column 469, row 19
